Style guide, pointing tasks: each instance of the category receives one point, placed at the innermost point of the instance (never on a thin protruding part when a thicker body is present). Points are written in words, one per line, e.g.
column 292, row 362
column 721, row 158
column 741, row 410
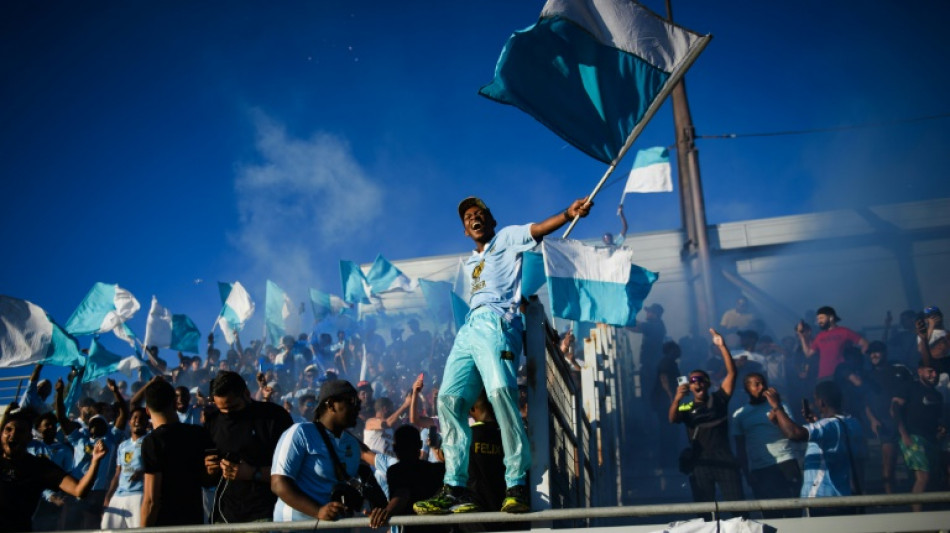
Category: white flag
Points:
column 650, row 172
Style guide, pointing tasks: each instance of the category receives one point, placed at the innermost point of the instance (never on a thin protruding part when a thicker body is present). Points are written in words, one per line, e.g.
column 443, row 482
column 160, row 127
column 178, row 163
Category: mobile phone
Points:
column 682, row 380
column 212, row 451
column 806, row 409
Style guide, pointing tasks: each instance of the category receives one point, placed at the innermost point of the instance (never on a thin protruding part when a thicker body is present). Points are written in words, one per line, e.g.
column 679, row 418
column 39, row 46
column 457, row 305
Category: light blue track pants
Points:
column 485, row 353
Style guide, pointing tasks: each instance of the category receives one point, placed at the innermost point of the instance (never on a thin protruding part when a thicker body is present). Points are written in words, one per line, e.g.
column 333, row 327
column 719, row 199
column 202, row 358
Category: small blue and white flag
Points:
column 238, row 307
column 281, row 316
column 594, row 284
column 383, row 276
column 355, row 287
column 103, row 309
column 166, row 330
column 650, row 172
column 101, row 362
column 64, row 349
column 325, row 304
column 25, row 333
column 590, row 70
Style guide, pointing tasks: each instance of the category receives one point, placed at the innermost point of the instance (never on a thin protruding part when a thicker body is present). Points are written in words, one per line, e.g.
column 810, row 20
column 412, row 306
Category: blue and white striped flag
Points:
column 281, row 316
column 166, row 330
column 104, row 308
column 383, row 276
column 238, row 307
column 25, row 333
column 589, row 70
column 650, row 172
column 594, row 284
column 355, row 287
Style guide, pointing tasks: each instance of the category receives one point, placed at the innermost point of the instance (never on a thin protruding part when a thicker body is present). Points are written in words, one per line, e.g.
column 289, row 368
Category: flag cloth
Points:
column 461, row 295
column 130, row 366
column 325, row 305
column 64, row 349
column 25, row 333
column 383, row 276
column 280, row 315
column 532, row 273
column 589, row 70
column 105, row 307
column 650, row 172
column 125, row 333
column 354, row 283
column 101, row 362
column 238, row 307
column 438, row 296
column 594, row 284
column 224, row 289
column 166, row 330
column 75, row 392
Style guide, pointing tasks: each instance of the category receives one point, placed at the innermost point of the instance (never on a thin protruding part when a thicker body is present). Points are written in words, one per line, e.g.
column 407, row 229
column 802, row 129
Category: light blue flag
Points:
column 590, row 70
column 185, row 334
column 237, row 308
column 224, row 289
column 532, row 273
column 438, row 295
column 101, row 362
column 325, row 304
column 383, row 276
column 103, row 309
column 460, row 310
column 74, row 394
column 354, row 282
column 594, row 284
column 64, row 349
column 280, row 315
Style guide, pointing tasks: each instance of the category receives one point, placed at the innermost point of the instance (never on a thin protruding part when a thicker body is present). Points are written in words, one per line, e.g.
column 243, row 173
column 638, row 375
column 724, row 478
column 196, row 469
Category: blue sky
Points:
column 151, row 144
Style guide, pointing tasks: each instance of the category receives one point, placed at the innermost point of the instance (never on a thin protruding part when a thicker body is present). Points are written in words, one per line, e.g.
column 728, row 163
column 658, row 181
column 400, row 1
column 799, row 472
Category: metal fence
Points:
column 11, row 388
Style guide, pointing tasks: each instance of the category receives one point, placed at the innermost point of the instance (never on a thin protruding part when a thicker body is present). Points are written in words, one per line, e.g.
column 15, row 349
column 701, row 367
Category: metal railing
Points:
column 871, row 523
column 12, row 393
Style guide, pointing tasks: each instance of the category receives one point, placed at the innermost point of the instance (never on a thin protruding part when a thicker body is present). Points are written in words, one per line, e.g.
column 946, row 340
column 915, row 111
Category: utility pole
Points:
column 692, row 206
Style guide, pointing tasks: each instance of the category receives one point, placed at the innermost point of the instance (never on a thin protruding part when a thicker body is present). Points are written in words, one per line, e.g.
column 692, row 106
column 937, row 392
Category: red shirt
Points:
column 830, row 345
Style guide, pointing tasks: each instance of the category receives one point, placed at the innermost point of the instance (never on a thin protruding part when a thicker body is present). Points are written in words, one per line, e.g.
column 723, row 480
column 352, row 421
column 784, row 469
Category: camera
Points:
column 682, row 380
column 349, row 493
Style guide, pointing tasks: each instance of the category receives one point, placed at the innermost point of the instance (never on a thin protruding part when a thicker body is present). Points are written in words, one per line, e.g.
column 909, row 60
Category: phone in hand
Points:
column 682, row 380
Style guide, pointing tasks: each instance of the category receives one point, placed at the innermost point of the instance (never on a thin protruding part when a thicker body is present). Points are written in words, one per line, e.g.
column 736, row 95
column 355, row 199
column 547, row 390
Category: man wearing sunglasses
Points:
column 706, row 419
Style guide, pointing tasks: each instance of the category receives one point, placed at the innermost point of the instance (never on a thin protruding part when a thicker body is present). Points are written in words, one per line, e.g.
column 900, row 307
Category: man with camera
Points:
column 315, row 471
column 245, row 434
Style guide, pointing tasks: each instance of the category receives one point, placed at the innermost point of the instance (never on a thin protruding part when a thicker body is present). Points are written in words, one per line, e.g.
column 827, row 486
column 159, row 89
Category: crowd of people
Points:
column 321, row 428
column 250, row 436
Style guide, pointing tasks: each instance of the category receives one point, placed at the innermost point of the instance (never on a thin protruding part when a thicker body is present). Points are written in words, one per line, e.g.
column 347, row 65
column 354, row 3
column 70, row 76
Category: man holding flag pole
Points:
column 485, row 355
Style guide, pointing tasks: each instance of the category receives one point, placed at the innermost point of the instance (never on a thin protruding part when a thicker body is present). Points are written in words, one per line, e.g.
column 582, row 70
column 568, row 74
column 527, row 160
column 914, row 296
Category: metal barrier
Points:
column 14, row 391
column 872, row 523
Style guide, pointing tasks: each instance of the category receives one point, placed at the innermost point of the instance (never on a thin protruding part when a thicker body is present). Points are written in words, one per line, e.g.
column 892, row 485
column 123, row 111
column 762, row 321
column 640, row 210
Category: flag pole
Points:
column 651, row 111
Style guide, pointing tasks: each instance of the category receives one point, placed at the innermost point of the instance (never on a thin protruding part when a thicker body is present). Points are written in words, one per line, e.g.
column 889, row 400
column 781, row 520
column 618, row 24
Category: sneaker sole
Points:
column 427, row 510
column 515, row 507
column 464, row 508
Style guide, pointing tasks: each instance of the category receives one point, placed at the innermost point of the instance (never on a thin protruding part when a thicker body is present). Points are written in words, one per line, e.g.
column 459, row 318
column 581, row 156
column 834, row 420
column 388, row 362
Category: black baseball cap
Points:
column 335, row 388
column 827, row 310
column 469, row 202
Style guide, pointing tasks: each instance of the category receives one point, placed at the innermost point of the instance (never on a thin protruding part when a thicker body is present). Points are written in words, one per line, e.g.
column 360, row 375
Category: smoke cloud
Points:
column 306, row 197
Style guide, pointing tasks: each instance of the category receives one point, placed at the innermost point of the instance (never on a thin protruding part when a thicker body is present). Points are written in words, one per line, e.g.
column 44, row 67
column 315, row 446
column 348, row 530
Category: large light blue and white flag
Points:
column 355, row 287
column 103, row 309
column 532, row 273
column 281, row 316
column 438, row 296
column 25, row 333
column 383, row 276
column 650, row 172
column 238, row 307
column 589, row 70
column 101, row 362
column 594, row 284
column 166, row 330
column 64, row 349
column 325, row 304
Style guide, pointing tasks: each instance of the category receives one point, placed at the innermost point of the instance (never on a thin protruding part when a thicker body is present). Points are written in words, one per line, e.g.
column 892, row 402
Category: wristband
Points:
column 567, row 216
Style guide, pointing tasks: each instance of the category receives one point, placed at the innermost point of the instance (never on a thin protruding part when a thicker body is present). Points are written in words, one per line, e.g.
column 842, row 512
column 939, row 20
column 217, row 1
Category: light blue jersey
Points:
column 192, row 415
column 765, row 444
column 129, row 461
column 495, row 273
column 302, row 455
column 83, row 443
column 827, row 465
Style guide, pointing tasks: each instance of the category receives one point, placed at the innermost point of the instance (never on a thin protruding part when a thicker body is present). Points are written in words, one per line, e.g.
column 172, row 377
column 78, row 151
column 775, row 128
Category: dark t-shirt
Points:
column 707, row 426
column 22, row 481
column 176, row 451
column 422, row 479
column 884, row 382
column 666, row 369
column 250, row 435
column 923, row 411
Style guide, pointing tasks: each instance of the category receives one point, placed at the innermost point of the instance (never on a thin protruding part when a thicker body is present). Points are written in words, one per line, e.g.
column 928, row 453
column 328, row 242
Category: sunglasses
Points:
column 698, row 379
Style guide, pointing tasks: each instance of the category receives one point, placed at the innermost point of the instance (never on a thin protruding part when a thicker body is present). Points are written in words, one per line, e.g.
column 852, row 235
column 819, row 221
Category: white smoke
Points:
column 297, row 207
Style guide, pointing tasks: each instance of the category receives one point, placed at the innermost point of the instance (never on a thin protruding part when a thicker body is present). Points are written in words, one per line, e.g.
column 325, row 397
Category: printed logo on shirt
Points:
column 87, row 449
column 477, row 283
column 127, row 458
